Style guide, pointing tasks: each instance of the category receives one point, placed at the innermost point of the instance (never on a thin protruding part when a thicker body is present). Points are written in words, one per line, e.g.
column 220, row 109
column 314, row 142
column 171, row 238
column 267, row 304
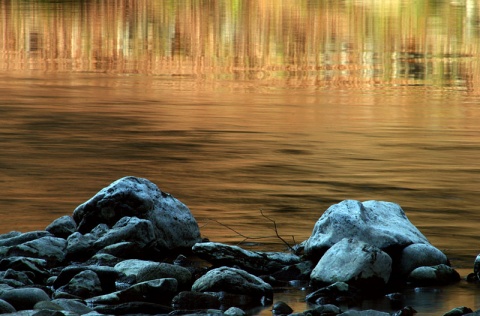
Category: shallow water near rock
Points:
column 234, row 108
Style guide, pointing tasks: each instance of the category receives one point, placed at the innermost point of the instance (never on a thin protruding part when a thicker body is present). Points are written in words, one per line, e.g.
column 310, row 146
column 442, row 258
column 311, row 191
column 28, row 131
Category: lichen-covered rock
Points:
column 253, row 261
column 419, row 255
column 232, row 280
column 353, row 261
column 381, row 224
column 62, row 227
column 174, row 225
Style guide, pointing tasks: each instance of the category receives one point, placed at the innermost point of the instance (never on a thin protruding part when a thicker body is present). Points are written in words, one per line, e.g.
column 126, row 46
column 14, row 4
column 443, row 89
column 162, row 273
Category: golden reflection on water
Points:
column 284, row 106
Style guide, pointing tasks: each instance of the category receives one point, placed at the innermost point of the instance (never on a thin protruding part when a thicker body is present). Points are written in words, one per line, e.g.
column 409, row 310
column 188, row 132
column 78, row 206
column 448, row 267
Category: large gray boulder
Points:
column 381, row 224
column 232, row 280
column 356, row 262
column 174, row 225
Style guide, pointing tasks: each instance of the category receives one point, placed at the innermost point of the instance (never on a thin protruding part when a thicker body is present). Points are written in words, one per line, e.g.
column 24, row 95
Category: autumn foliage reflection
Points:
column 305, row 42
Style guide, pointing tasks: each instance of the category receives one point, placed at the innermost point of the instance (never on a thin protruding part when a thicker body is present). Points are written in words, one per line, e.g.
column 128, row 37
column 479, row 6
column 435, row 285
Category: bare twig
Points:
column 245, row 238
column 276, row 231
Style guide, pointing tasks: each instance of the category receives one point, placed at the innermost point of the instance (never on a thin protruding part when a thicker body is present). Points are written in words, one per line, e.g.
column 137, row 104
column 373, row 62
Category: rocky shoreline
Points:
column 133, row 249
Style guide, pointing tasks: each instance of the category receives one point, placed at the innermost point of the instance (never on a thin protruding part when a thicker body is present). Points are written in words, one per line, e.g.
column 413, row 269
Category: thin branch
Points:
column 276, row 231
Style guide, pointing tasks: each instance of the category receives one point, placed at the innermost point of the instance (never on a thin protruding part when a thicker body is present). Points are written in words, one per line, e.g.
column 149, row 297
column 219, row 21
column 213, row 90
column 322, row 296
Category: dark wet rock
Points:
column 6, row 307
column 299, row 271
column 106, row 275
column 62, row 227
column 73, row 305
column 160, row 290
column 356, row 262
column 406, row 311
column 419, row 255
column 476, row 267
column 133, row 229
column 24, row 298
column 174, row 225
column 253, row 261
column 331, row 292
column 52, row 249
column 103, row 259
column 165, row 270
column 381, row 224
column 34, row 267
column 85, row 284
column 131, row 308
column 133, row 266
column 189, row 300
column 81, row 247
column 459, row 311
column 434, row 275
column 281, row 308
column 234, row 311
column 232, row 280
column 369, row 312
column 15, row 239
column 321, row 310
column 16, row 278
column 124, row 250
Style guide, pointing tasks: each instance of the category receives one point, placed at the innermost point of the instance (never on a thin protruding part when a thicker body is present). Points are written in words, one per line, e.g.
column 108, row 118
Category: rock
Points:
column 34, row 266
column 106, row 275
column 165, row 270
column 406, row 311
column 189, row 300
column 81, row 247
column 15, row 239
column 6, row 307
column 459, row 311
column 255, row 262
column 299, row 271
column 85, row 284
column 124, row 250
column 369, row 312
column 381, row 224
column 51, row 249
column 434, row 275
column 71, row 305
column 16, row 278
column 418, row 255
column 62, row 227
column 476, row 267
column 232, row 280
column 174, row 225
column 356, row 262
column 132, row 308
column 330, row 293
column 234, row 311
column 281, row 308
column 24, row 298
column 133, row 229
column 133, row 266
column 103, row 259
column 155, row 291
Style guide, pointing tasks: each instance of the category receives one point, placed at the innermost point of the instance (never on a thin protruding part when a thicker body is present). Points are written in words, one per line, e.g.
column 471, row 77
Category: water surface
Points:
column 284, row 107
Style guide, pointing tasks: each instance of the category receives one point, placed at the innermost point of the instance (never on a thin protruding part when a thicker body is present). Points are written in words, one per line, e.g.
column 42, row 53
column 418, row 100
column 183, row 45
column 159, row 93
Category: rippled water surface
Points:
column 284, row 107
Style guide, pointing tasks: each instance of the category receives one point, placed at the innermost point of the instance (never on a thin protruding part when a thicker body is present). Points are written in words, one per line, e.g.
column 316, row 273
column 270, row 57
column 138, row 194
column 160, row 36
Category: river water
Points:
column 239, row 108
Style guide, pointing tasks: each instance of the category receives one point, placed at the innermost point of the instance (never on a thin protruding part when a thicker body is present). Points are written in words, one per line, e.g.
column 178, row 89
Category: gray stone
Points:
column 132, row 266
column 252, row 261
column 418, row 255
column 234, row 311
column 15, row 239
column 81, row 247
column 189, row 300
column 232, row 280
column 62, row 227
column 165, row 270
column 133, row 229
column 83, row 285
column 52, row 249
column 24, row 298
column 155, row 291
column 134, row 308
column 459, row 311
column 20, row 278
column 434, row 275
column 174, row 225
column 353, row 261
column 107, row 275
column 381, row 224
column 6, row 307
column 368, row 312
column 35, row 266
column 73, row 305
column 281, row 308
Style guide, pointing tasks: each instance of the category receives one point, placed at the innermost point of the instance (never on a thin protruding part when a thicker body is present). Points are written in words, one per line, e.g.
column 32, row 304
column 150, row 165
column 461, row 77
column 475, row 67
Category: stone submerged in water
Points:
column 116, row 253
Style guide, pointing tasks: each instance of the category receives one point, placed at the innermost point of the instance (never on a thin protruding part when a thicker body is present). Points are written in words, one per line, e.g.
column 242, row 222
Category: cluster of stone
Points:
column 133, row 249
